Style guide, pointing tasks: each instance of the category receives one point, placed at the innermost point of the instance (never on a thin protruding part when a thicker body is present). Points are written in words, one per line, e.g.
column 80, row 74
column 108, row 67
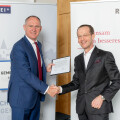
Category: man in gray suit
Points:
column 96, row 77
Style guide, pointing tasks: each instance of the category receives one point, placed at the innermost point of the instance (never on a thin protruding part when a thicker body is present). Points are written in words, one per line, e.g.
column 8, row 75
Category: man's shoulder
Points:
column 20, row 41
column 79, row 56
column 102, row 52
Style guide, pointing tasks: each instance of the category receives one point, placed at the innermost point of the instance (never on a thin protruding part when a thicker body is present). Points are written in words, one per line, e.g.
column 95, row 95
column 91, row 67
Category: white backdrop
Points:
column 11, row 30
column 105, row 18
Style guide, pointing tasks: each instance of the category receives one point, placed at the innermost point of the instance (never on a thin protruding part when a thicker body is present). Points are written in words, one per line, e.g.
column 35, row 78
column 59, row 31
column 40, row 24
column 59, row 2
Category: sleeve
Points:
column 114, row 77
column 74, row 84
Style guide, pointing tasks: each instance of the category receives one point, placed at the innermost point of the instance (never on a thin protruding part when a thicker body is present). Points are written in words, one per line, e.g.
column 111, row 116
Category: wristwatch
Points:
column 102, row 97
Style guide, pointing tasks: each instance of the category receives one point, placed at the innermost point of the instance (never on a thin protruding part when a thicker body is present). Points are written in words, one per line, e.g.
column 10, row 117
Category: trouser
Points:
column 94, row 117
column 26, row 114
column 88, row 116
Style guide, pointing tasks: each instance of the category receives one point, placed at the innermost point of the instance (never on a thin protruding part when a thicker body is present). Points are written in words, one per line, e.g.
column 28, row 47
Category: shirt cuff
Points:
column 46, row 90
column 60, row 89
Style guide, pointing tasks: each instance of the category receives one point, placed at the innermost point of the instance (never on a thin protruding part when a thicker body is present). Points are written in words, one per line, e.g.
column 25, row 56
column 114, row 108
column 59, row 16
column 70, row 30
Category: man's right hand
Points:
column 53, row 90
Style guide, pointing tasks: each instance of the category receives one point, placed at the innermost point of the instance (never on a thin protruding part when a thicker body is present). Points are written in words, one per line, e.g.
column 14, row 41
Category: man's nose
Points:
column 33, row 28
column 82, row 37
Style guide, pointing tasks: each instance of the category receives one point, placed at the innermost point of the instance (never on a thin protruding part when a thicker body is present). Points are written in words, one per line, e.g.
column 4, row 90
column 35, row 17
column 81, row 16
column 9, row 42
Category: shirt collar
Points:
column 30, row 40
column 90, row 52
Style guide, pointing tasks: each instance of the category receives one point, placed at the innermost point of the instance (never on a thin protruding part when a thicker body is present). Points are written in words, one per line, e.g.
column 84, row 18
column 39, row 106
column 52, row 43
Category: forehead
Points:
column 33, row 20
column 84, row 29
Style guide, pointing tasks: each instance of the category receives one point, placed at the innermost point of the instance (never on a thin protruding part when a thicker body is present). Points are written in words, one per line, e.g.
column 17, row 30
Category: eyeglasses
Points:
column 31, row 26
column 84, row 36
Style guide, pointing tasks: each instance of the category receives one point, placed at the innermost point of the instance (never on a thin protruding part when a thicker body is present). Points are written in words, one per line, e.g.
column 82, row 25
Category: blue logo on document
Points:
column 5, row 9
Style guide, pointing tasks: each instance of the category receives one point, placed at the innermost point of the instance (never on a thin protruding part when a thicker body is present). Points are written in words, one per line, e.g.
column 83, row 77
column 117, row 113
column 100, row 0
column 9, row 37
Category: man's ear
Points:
column 93, row 36
column 40, row 28
column 24, row 26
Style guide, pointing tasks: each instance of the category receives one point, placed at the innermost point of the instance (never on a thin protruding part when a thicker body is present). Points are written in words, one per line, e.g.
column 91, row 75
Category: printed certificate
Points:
column 62, row 65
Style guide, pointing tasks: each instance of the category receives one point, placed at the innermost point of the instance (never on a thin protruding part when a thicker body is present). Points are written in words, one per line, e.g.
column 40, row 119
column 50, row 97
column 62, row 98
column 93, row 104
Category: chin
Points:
column 84, row 47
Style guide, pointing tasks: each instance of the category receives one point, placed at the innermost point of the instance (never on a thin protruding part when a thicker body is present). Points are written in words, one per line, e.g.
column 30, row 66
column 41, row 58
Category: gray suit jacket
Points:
column 101, row 77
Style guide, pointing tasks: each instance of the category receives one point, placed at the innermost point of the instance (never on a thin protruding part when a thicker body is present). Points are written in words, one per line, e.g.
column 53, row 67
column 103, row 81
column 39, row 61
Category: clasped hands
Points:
column 53, row 90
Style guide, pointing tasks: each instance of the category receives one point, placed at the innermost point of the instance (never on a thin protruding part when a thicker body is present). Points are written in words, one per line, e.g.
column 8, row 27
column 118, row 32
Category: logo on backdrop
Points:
column 5, row 9
column 117, row 11
column 4, row 51
column 4, row 107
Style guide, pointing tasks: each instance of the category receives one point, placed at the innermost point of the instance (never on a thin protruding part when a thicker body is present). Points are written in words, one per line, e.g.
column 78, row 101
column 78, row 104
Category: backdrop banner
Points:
column 12, row 17
column 104, row 16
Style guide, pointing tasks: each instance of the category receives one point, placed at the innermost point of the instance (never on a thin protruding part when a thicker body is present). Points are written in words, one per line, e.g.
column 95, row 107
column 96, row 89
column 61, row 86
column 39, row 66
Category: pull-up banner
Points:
column 5, row 9
column 12, row 18
column 104, row 16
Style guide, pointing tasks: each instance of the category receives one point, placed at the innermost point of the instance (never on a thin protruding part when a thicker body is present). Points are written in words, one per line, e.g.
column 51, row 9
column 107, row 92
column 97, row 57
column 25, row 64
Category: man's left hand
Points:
column 97, row 102
column 49, row 67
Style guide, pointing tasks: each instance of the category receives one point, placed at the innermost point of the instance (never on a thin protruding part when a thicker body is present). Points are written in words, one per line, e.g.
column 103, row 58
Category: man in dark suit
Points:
column 27, row 85
column 96, row 77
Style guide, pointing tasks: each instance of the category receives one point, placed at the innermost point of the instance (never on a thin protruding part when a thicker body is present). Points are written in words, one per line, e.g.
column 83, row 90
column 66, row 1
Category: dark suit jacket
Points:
column 24, row 85
column 101, row 77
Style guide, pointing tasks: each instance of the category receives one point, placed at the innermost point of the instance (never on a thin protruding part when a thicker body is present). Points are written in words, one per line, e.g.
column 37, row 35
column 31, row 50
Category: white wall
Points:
column 47, row 1
column 36, row 1
column 17, row 1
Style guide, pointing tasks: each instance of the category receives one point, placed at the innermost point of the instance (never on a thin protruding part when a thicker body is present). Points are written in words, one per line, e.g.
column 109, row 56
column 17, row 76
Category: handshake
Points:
column 53, row 90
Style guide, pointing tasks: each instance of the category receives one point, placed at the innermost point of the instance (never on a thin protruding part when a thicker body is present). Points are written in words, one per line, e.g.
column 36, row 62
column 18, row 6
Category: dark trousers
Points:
column 26, row 114
column 88, row 116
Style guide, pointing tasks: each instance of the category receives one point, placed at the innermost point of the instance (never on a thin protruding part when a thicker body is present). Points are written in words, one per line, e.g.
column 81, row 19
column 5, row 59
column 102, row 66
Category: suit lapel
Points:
column 39, row 45
column 40, row 48
column 32, row 52
column 92, row 58
column 82, row 61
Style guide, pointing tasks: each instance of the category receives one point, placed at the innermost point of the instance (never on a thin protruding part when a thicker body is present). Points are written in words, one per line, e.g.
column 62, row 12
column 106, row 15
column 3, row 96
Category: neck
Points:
column 35, row 40
column 88, row 49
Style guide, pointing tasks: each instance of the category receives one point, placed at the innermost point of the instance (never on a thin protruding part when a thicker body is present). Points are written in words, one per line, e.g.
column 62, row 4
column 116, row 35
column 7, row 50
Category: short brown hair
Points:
column 89, row 26
column 32, row 16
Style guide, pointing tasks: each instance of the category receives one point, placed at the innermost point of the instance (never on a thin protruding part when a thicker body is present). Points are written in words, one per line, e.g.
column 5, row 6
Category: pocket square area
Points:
column 97, row 61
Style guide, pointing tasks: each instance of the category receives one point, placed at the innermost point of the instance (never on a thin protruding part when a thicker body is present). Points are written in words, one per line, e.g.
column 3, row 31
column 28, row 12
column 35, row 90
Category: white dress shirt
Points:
column 34, row 47
column 87, row 56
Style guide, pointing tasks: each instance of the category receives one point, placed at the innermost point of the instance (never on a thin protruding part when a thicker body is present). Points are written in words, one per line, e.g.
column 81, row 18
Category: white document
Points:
column 62, row 65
